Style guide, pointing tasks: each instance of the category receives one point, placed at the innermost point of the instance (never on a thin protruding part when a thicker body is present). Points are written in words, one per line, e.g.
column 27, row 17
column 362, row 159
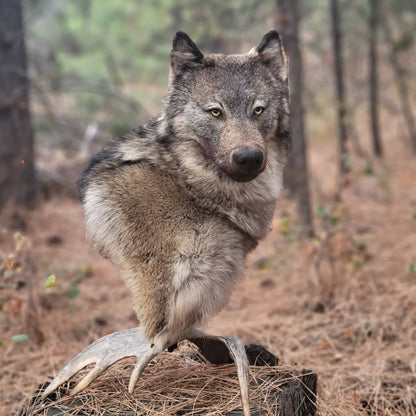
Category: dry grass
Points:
column 174, row 384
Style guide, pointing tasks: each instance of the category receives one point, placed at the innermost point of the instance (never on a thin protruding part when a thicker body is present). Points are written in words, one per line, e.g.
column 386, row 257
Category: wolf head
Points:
column 232, row 106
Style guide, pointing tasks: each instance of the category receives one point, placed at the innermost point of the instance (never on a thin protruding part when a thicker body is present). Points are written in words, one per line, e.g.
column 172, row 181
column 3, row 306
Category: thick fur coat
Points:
column 173, row 204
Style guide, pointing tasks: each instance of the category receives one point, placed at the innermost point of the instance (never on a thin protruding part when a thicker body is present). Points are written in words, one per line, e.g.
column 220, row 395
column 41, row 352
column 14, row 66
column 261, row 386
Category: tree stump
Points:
column 189, row 381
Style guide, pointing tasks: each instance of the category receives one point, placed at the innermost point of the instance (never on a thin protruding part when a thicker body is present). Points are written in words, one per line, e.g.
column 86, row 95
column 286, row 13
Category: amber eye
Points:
column 258, row 110
column 215, row 112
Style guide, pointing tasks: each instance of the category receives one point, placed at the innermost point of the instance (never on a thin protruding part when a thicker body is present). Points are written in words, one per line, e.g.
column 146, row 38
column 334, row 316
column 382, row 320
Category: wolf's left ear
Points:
column 184, row 54
column 271, row 52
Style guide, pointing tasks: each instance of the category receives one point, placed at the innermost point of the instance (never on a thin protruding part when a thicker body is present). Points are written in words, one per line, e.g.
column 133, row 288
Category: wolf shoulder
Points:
column 136, row 146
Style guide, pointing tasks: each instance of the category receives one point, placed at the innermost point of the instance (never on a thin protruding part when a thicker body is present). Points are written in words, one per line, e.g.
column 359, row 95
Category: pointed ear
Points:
column 184, row 54
column 272, row 53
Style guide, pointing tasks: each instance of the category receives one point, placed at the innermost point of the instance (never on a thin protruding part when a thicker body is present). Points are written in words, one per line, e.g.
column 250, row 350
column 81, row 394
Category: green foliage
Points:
column 88, row 270
column 368, row 170
column 405, row 42
column 361, row 246
column 73, row 291
column 323, row 213
column 119, row 126
column 19, row 338
column 358, row 264
column 50, row 281
column 97, row 57
column 284, row 227
column 82, row 35
column 412, row 268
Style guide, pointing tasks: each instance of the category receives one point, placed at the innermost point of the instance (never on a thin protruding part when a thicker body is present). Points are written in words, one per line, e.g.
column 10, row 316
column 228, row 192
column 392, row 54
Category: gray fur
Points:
column 167, row 204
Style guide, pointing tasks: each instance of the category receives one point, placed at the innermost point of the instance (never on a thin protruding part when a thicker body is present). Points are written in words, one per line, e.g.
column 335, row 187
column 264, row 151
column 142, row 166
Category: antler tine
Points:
column 238, row 353
column 104, row 352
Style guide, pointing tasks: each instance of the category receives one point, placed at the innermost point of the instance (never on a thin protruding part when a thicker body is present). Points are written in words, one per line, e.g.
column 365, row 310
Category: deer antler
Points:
column 128, row 343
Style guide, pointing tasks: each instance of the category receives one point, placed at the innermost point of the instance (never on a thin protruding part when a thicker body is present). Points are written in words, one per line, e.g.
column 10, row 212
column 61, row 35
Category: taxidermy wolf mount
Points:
column 176, row 205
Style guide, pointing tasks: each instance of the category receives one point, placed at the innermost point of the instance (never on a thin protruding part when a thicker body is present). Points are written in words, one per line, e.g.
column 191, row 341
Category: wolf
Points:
column 176, row 205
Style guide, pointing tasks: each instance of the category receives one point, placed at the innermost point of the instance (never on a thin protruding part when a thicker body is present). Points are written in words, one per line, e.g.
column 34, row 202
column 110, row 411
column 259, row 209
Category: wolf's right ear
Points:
column 271, row 52
column 184, row 54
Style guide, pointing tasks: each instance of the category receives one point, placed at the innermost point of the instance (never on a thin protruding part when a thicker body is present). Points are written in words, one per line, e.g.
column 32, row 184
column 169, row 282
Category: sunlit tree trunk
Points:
column 373, row 78
column 17, row 182
column 287, row 22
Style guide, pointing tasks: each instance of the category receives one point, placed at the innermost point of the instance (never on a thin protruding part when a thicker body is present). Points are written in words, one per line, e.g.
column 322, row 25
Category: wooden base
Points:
column 274, row 389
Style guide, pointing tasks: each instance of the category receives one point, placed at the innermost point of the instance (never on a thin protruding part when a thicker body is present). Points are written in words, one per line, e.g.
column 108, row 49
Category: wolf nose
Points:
column 248, row 160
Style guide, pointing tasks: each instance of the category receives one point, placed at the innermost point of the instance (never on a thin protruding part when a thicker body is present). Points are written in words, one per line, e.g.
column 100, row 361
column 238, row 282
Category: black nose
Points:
column 248, row 160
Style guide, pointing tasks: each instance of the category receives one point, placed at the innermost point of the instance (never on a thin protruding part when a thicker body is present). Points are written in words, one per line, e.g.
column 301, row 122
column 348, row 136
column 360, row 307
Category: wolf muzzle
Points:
column 247, row 163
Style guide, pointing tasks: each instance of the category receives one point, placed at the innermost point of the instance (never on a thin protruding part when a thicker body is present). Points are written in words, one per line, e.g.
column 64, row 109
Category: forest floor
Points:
column 343, row 304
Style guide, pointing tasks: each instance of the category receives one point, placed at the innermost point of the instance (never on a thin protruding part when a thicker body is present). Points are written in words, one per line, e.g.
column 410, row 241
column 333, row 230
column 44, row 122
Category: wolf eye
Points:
column 258, row 110
column 215, row 112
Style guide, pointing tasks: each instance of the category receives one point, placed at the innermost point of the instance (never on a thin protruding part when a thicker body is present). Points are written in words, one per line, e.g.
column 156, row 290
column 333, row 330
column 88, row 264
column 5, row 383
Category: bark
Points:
column 296, row 175
column 339, row 88
column 373, row 78
column 17, row 182
column 402, row 87
column 283, row 23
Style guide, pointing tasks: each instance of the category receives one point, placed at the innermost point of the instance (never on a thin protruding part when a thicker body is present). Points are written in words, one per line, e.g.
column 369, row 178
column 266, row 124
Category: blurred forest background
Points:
column 96, row 69
column 75, row 73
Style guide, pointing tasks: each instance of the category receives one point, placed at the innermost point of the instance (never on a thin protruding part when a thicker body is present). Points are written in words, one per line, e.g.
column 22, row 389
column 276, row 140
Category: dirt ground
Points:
column 343, row 304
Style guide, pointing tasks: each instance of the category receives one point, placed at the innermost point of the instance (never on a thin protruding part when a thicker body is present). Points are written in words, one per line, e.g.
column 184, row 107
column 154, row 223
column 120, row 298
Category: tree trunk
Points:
column 340, row 88
column 17, row 182
column 373, row 78
column 402, row 87
column 283, row 23
column 296, row 175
